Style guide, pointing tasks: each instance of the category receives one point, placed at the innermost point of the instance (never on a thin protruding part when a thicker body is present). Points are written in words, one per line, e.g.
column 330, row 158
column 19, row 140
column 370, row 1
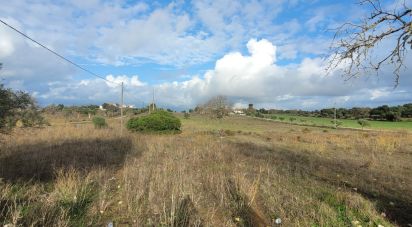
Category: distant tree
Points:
column 355, row 43
column 111, row 109
column 281, row 118
column 292, row 119
column 363, row 123
column 359, row 112
column 88, row 110
column 60, row 107
column 380, row 112
column 393, row 116
column 407, row 110
column 263, row 111
column 327, row 112
column 217, row 107
column 190, row 110
column 387, row 113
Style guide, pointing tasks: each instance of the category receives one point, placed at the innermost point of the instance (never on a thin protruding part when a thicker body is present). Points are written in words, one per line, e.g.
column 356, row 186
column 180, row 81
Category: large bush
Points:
column 159, row 121
column 18, row 106
column 99, row 122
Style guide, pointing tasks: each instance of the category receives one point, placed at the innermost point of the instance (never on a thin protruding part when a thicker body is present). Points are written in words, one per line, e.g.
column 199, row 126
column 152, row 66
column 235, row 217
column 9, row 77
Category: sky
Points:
column 271, row 53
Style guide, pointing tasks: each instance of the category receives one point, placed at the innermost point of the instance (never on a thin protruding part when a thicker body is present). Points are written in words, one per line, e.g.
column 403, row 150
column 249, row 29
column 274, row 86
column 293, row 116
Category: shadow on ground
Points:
column 38, row 162
column 393, row 200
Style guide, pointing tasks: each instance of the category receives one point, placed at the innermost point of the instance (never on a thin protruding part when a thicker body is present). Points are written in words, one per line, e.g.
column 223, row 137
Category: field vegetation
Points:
column 348, row 123
column 235, row 171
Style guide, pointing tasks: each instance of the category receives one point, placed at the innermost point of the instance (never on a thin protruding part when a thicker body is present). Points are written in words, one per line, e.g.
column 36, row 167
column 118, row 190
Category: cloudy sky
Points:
column 270, row 53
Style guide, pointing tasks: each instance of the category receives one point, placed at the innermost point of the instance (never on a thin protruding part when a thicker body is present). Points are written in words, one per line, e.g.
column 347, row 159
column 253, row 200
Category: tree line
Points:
column 381, row 113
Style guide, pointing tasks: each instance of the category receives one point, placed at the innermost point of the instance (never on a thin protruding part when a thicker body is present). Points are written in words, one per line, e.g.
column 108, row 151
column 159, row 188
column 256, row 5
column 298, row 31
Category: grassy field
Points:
column 231, row 172
column 321, row 121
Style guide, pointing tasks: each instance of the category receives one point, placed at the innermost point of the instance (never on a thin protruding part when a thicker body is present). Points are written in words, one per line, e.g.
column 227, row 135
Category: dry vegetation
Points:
column 232, row 172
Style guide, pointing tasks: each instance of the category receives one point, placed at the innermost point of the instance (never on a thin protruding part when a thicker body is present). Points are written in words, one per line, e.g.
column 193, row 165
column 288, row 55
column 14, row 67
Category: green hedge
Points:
column 159, row 121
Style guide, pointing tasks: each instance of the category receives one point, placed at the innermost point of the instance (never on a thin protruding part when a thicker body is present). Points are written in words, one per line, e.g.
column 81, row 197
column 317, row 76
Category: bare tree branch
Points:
column 353, row 44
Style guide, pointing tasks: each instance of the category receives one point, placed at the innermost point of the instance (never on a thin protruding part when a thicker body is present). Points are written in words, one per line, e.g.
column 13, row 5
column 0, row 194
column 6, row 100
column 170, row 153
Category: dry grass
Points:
column 239, row 172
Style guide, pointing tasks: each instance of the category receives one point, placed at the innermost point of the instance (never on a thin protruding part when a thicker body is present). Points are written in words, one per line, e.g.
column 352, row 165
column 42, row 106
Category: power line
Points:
column 57, row 54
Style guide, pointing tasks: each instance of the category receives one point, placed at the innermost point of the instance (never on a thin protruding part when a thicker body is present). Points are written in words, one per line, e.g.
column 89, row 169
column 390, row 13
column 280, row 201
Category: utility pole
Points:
column 121, row 112
column 334, row 113
column 153, row 101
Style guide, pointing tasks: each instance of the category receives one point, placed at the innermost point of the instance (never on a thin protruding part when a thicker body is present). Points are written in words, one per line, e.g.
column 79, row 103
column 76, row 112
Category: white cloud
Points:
column 256, row 78
column 252, row 78
column 115, row 81
column 378, row 93
column 6, row 46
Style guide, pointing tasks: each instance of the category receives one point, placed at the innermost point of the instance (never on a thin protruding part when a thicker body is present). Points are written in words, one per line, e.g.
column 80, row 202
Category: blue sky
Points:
column 270, row 53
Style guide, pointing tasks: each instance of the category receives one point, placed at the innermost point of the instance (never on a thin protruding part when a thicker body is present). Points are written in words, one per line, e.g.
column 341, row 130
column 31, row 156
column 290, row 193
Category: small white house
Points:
column 239, row 112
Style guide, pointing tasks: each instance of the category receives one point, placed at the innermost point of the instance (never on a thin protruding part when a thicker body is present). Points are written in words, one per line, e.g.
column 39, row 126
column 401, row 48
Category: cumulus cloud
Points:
column 254, row 77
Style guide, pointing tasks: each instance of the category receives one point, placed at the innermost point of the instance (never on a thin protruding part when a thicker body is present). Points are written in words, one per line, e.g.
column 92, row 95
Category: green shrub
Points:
column 274, row 117
column 364, row 123
column 155, row 122
column 99, row 122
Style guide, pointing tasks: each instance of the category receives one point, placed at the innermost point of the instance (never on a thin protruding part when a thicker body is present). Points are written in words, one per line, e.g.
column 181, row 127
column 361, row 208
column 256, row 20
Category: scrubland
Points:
column 230, row 172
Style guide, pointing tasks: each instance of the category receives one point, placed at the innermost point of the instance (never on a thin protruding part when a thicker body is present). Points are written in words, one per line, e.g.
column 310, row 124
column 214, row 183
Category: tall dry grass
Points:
column 205, row 178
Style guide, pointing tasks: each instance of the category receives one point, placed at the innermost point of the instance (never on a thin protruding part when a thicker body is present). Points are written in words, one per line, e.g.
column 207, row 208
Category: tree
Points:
column 217, row 107
column 263, row 111
column 407, row 110
column 15, row 106
column 88, row 110
column 110, row 108
column 354, row 43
